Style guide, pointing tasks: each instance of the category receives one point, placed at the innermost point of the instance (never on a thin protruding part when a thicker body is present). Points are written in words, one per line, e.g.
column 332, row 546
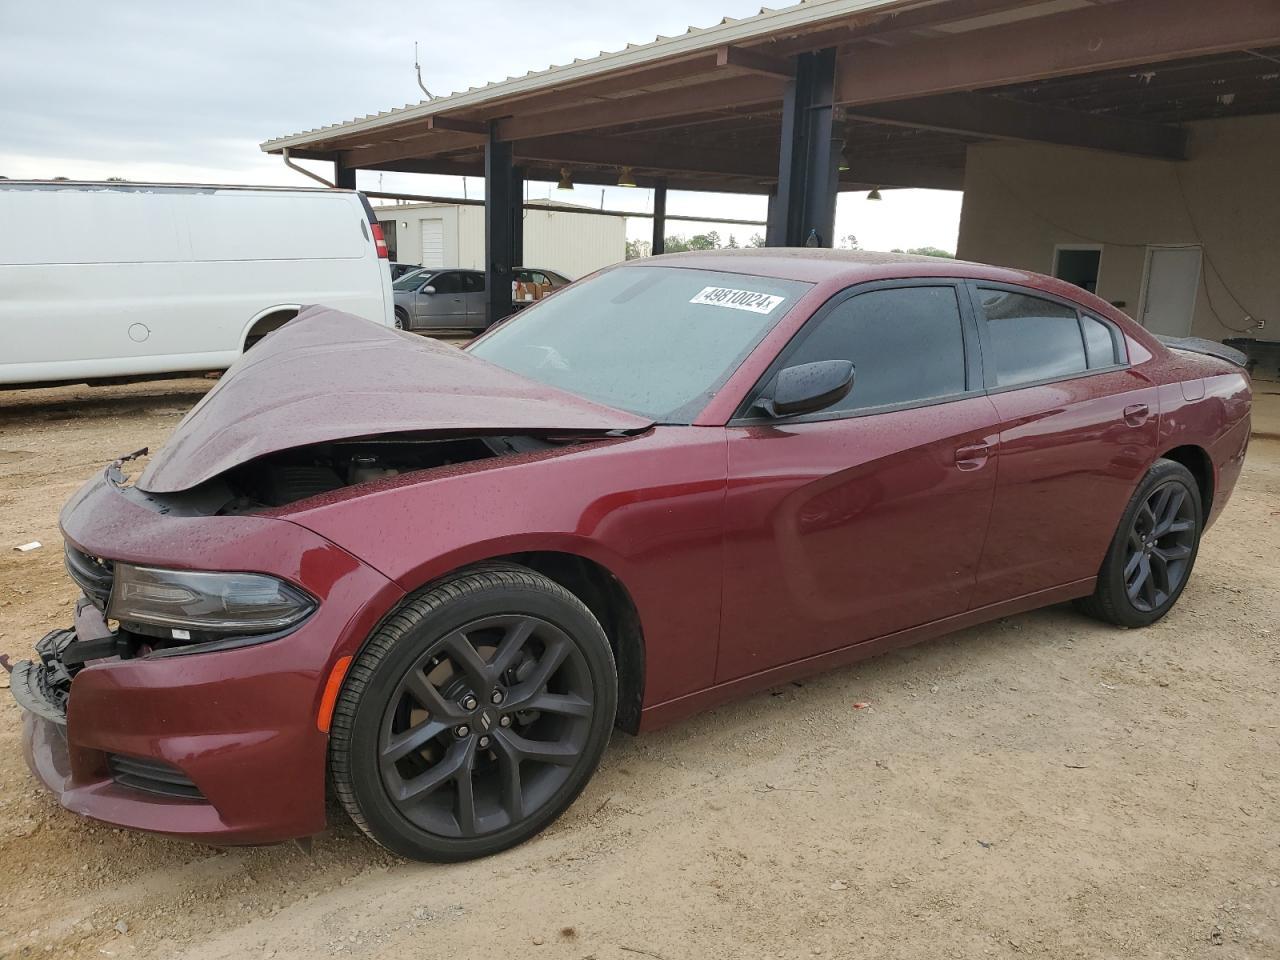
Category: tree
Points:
column 757, row 240
column 732, row 244
column 849, row 242
column 636, row 249
column 699, row 241
column 926, row 252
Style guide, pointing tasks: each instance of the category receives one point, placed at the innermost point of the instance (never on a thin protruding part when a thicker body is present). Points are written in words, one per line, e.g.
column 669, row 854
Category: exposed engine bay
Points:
column 291, row 475
column 288, row 476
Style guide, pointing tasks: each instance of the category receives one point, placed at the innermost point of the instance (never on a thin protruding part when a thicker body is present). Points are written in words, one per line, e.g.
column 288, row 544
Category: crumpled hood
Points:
column 328, row 376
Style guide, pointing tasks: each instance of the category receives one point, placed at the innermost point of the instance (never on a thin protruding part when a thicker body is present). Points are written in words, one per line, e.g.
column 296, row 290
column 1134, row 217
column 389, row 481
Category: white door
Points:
column 433, row 243
column 1173, row 281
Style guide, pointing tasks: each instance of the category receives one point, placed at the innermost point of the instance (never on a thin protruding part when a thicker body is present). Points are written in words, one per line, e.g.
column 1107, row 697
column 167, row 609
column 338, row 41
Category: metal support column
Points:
column 500, row 199
column 659, row 218
column 803, row 213
column 344, row 177
column 517, row 216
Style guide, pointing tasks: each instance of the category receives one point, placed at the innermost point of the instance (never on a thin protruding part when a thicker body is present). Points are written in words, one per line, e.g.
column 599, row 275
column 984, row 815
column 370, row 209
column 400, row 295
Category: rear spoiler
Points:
column 1210, row 348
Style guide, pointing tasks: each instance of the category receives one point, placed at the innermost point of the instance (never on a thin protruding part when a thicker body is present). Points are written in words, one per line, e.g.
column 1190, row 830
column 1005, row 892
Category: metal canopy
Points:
column 827, row 95
column 914, row 84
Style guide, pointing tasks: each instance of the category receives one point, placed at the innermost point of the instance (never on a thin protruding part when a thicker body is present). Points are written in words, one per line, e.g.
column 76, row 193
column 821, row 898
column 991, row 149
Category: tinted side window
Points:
column 1099, row 343
column 906, row 344
column 447, row 283
column 1032, row 339
column 473, row 282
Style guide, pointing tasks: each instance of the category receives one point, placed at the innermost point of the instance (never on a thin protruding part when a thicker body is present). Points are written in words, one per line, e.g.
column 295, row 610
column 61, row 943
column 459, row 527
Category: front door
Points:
column 868, row 518
column 1169, row 297
column 1078, row 429
column 444, row 308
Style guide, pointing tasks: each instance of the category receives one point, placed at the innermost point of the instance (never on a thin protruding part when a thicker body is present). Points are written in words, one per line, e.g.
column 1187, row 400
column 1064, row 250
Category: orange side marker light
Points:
column 327, row 702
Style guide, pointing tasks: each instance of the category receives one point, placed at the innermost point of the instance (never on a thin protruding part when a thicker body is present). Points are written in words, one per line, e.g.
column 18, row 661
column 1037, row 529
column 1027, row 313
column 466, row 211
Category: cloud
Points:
column 186, row 91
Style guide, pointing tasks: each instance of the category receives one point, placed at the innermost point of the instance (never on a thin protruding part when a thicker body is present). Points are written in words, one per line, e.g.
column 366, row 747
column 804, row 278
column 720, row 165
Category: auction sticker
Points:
column 738, row 299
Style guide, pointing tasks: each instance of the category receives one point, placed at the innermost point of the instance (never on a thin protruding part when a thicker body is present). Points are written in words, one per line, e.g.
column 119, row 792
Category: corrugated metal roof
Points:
column 804, row 14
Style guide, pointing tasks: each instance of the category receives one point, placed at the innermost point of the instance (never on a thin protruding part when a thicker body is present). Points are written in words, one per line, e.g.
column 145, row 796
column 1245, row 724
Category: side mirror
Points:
column 428, row 289
column 809, row 387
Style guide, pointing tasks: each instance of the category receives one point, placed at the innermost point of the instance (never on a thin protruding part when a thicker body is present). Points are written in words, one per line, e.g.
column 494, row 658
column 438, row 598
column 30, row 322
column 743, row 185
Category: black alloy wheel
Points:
column 1162, row 539
column 476, row 732
column 474, row 716
column 1153, row 551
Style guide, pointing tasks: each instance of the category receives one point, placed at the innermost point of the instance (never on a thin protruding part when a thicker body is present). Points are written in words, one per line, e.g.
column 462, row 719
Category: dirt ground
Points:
column 1043, row 786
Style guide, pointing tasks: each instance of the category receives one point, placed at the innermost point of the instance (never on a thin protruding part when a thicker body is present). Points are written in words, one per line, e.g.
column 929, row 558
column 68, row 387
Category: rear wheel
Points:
column 474, row 716
column 1153, row 552
column 402, row 320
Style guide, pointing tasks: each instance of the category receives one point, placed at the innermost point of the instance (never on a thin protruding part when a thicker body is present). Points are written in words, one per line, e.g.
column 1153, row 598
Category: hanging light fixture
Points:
column 875, row 194
column 626, row 178
column 843, row 165
column 566, row 179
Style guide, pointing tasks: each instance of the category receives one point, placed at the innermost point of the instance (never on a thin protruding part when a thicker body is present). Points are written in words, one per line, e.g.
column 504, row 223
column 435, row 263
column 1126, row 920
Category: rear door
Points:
column 444, row 308
column 473, row 293
column 869, row 517
column 1078, row 428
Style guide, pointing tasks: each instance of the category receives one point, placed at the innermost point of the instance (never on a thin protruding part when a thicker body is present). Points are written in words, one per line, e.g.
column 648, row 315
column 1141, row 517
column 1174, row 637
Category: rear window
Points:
column 1032, row 338
column 1099, row 343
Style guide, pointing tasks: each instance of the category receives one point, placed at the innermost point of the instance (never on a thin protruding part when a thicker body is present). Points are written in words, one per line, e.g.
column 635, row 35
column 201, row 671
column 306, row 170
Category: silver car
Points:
column 429, row 300
column 438, row 301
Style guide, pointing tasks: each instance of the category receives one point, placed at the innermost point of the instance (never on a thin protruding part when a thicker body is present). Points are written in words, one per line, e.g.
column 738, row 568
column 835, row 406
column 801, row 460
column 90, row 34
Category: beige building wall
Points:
column 572, row 244
column 1022, row 199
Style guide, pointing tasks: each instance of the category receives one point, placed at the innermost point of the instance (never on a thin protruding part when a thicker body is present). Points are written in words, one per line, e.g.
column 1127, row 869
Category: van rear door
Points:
column 384, row 259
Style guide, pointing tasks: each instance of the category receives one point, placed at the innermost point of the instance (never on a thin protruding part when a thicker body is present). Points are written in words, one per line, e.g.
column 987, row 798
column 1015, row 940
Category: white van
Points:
column 120, row 280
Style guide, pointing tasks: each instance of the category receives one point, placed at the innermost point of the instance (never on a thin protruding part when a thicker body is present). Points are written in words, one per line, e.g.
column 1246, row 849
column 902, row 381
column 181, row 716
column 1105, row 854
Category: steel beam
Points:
column 975, row 114
column 877, row 173
column 804, row 210
column 344, row 177
column 499, row 227
column 1114, row 36
column 754, row 62
column 659, row 244
column 719, row 95
column 517, row 216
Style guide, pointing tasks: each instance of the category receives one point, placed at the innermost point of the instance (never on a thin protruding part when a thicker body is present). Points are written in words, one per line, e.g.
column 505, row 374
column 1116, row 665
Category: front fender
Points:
column 648, row 508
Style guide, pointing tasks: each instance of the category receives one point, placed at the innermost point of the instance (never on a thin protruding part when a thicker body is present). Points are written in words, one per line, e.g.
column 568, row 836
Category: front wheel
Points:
column 474, row 716
column 1153, row 551
column 401, row 321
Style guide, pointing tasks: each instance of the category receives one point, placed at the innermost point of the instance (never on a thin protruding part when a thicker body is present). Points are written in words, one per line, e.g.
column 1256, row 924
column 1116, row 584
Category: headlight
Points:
column 184, row 601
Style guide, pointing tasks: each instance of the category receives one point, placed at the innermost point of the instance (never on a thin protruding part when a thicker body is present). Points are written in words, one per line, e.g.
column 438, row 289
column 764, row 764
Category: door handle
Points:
column 973, row 455
column 1136, row 414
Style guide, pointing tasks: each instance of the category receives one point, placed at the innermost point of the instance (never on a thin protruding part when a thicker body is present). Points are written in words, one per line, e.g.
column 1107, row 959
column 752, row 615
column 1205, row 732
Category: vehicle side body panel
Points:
column 1069, row 461
column 842, row 530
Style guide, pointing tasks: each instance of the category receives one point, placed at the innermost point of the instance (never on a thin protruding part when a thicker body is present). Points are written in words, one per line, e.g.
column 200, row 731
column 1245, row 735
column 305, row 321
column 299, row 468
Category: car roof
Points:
column 816, row 265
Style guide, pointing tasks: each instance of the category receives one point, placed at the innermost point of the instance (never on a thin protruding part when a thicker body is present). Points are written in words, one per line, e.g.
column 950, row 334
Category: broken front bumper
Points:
column 219, row 745
column 41, row 687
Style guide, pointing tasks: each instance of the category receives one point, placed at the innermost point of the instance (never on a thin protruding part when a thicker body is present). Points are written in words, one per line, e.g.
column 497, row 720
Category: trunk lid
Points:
column 329, row 376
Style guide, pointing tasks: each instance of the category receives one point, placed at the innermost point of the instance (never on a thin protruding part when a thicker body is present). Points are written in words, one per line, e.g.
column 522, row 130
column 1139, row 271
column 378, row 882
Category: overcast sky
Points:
column 186, row 91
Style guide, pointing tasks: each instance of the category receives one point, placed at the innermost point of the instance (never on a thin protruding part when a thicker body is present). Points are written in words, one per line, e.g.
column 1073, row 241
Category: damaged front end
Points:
column 187, row 697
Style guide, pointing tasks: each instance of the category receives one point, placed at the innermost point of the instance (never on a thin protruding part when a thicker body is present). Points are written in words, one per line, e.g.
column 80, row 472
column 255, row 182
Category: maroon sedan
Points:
column 430, row 582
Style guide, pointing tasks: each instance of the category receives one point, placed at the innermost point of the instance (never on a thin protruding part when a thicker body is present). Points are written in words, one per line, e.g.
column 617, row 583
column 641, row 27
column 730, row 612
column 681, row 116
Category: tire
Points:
column 401, row 321
column 458, row 779
column 1145, row 570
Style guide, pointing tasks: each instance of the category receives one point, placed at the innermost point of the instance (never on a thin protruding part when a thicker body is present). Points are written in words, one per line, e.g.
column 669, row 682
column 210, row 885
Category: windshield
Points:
column 656, row 341
column 411, row 280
